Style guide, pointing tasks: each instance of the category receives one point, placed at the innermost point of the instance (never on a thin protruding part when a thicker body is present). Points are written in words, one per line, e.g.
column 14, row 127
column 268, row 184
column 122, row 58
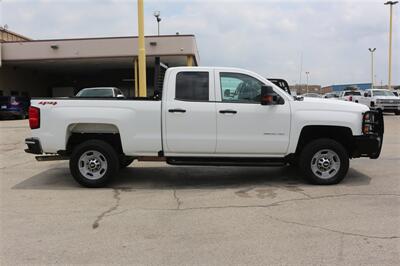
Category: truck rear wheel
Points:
column 324, row 162
column 93, row 163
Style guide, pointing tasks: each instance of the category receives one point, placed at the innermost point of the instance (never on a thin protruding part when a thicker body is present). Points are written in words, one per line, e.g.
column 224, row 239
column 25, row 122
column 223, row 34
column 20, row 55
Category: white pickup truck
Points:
column 206, row 116
column 380, row 99
column 349, row 95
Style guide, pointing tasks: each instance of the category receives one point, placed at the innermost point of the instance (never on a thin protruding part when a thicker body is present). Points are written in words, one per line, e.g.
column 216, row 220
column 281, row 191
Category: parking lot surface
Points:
column 158, row 214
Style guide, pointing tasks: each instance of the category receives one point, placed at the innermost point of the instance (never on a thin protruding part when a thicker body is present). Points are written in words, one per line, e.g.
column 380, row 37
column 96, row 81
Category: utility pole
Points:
column 307, row 74
column 141, row 51
column 391, row 3
column 301, row 70
column 372, row 50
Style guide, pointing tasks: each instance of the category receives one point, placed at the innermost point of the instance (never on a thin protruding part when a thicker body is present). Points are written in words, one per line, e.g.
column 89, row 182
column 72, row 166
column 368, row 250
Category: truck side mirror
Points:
column 269, row 96
column 120, row 96
column 365, row 94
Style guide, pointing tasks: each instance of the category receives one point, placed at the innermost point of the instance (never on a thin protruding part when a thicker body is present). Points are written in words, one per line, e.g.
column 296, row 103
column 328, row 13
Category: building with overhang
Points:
column 62, row 67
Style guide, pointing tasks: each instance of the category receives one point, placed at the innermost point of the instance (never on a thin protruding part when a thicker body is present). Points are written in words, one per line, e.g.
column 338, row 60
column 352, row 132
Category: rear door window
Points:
column 192, row 86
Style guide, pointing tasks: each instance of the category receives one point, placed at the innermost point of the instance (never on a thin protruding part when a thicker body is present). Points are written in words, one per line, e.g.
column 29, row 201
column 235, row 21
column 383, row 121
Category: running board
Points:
column 226, row 161
column 57, row 157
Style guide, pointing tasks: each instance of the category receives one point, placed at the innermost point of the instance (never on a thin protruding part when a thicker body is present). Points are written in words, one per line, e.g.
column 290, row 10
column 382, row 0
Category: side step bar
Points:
column 224, row 161
column 57, row 157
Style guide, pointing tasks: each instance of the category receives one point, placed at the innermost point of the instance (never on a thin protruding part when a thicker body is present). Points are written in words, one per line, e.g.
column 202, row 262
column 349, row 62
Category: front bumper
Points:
column 370, row 145
column 11, row 112
column 387, row 107
column 367, row 146
column 34, row 146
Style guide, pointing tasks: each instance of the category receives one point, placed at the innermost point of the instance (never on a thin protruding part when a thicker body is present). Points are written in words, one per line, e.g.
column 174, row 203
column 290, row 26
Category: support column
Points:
column 156, row 73
column 136, row 92
column 189, row 60
column 142, row 51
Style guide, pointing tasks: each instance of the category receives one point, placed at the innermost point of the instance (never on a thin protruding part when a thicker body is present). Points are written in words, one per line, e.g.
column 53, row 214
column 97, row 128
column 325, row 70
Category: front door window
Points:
column 236, row 87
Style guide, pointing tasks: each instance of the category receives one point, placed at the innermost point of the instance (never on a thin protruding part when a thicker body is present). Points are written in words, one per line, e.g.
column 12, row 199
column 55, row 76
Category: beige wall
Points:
column 99, row 47
column 8, row 36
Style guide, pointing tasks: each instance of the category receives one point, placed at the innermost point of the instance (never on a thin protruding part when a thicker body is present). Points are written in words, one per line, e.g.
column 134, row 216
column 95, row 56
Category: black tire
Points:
column 321, row 146
column 108, row 156
column 125, row 161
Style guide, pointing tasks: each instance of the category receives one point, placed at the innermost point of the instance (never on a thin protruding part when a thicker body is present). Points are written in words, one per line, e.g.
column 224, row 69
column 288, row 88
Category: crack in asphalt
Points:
column 178, row 200
column 274, row 204
column 117, row 198
column 330, row 230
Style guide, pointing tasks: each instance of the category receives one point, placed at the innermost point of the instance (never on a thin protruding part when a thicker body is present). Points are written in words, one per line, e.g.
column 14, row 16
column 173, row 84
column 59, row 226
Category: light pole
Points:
column 372, row 50
column 141, row 51
column 157, row 16
column 391, row 3
column 307, row 74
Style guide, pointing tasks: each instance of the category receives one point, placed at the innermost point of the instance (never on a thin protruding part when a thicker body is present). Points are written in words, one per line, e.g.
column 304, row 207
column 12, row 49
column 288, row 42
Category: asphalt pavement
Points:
column 155, row 214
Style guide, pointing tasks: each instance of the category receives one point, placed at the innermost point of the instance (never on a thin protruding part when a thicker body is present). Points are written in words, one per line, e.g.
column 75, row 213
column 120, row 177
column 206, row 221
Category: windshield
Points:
column 383, row 93
column 312, row 95
column 352, row 93
column 106, row 92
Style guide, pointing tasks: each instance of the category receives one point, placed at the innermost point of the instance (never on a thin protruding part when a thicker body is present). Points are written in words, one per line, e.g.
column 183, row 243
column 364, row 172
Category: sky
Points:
column 269, row 37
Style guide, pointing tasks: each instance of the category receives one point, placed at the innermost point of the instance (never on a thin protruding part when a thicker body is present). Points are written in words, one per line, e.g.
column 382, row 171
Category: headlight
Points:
column 378, row 101
column 367, row 129
column 368, row 120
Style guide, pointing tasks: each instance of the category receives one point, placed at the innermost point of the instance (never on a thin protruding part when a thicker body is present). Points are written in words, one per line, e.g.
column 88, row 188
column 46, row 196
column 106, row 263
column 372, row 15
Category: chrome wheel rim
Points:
column 92, row 164
column 325, row 164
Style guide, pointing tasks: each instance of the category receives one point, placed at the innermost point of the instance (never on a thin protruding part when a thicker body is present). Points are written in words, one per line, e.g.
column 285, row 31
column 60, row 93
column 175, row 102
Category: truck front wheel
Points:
column 93, row 163
column 324, row 162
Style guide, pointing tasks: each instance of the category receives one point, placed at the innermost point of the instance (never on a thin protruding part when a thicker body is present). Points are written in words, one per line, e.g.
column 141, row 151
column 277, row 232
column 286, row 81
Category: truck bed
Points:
column 138, row 121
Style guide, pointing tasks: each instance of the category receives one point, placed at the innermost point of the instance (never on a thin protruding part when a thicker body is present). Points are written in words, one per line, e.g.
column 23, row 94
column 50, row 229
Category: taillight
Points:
column 34, row 117
column 350, row 98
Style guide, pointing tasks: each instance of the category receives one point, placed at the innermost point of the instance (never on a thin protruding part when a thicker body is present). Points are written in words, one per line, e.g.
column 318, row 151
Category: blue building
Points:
column 360, row 86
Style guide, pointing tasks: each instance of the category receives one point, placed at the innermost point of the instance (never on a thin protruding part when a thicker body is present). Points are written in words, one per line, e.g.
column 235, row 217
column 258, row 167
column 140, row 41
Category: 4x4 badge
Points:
column 47, row 102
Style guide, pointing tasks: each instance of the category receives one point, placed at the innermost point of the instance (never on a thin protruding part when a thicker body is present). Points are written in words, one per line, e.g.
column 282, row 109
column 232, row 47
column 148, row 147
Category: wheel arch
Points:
column 80, row 132
column 341, row 134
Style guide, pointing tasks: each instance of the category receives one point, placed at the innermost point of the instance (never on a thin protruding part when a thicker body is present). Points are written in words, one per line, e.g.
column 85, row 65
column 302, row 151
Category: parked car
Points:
column 311, row 95
column 381, row 99
column 14, row 106
column 331, row 95
column 102, row 92
column 197, row 123
column 350, row 95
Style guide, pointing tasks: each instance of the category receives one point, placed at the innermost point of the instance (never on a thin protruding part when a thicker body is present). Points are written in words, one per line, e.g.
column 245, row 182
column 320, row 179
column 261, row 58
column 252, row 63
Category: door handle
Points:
column 177, row 110
column 228, row 111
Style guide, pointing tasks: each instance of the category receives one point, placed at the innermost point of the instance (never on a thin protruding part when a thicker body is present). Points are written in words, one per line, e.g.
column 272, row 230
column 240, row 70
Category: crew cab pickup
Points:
column 350, row 95
column 380, row 99
column 206, row 116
